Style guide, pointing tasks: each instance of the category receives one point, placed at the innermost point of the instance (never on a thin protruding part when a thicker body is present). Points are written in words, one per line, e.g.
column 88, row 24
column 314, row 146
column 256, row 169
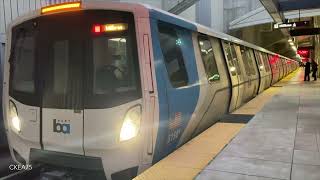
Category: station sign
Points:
column 291, row 24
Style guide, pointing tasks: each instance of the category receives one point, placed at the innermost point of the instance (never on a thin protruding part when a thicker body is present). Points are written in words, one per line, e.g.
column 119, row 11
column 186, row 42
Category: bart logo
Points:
column 61, row 127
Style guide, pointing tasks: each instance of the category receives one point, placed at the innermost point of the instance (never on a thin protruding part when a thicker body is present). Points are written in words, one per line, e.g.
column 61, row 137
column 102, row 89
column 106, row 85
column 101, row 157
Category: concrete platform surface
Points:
column 187, row 161
column 282, row 141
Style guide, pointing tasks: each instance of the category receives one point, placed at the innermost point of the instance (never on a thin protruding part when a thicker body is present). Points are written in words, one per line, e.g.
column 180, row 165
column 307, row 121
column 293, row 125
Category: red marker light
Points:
column 97, row 29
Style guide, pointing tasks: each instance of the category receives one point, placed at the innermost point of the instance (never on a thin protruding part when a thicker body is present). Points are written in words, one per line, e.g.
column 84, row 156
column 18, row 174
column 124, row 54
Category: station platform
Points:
column 280, row 141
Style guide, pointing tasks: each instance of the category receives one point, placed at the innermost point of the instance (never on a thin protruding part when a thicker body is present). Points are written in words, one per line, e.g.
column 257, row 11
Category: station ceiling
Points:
column 289, row 5
column 277, row 40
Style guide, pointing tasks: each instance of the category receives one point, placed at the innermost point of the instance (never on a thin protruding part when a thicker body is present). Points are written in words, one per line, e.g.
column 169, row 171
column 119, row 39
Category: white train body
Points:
column 112, row 88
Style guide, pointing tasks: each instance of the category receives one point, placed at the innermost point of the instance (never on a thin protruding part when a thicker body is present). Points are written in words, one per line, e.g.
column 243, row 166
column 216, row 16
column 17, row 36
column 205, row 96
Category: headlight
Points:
column 13, row 116
column 131, row 124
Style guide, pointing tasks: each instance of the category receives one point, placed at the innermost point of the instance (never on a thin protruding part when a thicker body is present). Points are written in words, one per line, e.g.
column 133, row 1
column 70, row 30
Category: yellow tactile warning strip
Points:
column 187, row 161
column 190, row 159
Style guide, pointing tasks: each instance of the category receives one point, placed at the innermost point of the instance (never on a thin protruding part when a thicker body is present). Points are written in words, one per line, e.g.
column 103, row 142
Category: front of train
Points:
column 73, row 96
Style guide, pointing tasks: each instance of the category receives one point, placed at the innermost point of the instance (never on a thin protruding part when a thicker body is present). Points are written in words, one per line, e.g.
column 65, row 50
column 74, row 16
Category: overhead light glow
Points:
column 59, row 7
column 290, row 40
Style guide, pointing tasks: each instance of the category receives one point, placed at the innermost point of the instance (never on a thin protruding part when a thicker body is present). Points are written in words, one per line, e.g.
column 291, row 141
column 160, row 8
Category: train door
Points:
column 61, row 80
column 244, row 61
column 177, row 75
column 216, row 82
column 255, row 77
column 277, row 59
column 262, row 72
column 285, row 67
column 281, row 68
column 274, row 69
column 234, row 72
column 268, row 69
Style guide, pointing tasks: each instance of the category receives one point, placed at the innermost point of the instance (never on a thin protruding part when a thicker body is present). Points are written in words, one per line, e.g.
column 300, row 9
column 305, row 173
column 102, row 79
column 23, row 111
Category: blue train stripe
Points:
column 176, row 105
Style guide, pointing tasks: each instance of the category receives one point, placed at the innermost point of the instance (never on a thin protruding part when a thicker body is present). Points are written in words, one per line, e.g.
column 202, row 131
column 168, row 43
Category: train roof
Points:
column 209, row 31
column 155, row 13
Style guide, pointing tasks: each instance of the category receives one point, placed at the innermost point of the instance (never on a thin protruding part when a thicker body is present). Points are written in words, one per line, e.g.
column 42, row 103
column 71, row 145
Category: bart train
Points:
column 111, row 88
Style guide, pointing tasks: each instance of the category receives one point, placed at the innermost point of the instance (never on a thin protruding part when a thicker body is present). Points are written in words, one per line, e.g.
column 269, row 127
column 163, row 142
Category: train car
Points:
column 104, row 90
column 264, row 71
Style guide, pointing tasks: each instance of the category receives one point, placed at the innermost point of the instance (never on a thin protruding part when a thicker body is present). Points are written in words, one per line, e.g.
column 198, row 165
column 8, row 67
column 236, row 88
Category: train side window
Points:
column 280, row 62
column 245, row 60
column 61, row 63
column 235, row 59
column 266, row 61
column 259, row 61
column 227, row 52
column 208, row 58
column 170, row 45
column 252, row 62
column 114, row 71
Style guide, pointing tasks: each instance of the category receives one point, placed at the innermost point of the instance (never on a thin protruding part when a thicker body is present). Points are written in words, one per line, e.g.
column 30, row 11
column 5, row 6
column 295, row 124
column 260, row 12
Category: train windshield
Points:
column 85, row 59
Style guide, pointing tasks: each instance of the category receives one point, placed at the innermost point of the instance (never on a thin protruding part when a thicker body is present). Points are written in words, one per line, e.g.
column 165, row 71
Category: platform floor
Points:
column 191, row 160
column 282, row 141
